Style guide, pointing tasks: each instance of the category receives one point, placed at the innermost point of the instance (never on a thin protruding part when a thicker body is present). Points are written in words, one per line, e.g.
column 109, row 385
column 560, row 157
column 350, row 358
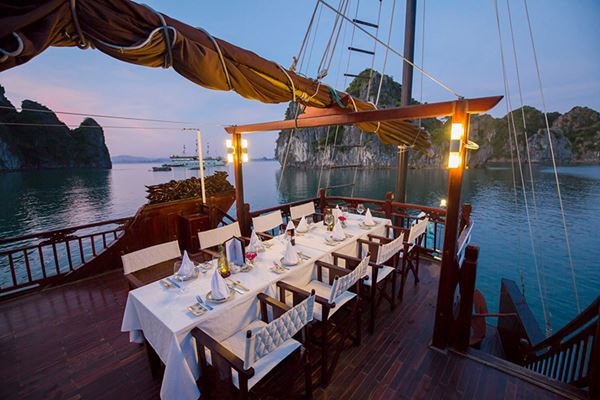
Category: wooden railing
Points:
column 403, row 214
column 37, row 259
column 572, row 355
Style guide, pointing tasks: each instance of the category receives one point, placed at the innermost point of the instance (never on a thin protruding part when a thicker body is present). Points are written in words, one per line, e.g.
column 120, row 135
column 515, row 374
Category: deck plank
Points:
column 66, row 343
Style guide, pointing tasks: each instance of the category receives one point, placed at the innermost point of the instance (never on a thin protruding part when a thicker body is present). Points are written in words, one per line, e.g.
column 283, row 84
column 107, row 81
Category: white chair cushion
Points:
column 237, row 344
column 149, row 256
column 381, row 274
column 214, row 237
column 388, row 250
column 323, row 290
column 302, row 210
column 267, row 222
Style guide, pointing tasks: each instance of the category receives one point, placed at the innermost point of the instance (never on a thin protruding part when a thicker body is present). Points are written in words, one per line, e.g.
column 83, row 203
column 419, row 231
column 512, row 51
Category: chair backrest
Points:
column 264, row 223
column 388, row 250
column 302, row 210
column 417, row 230
column 214, row 237
column 342, row 283
column 149, row 256
column 270, row 337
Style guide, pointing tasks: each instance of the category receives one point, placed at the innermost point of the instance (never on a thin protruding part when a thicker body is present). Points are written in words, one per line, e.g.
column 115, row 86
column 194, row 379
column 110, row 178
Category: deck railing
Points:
column 572, row 355
column 36, row 259
column 403, row 214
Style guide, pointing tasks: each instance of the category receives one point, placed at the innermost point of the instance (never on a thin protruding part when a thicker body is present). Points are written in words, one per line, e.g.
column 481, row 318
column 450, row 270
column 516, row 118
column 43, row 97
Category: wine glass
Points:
column 344, row 210
column 360, row 208
column 329, row 219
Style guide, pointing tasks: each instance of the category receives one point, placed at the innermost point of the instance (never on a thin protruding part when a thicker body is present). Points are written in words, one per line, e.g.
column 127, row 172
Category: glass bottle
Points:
column 223, row 265
column 329, row 219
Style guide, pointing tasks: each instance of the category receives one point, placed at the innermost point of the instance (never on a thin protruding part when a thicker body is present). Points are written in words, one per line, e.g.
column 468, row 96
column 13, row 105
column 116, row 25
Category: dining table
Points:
column 158, row 313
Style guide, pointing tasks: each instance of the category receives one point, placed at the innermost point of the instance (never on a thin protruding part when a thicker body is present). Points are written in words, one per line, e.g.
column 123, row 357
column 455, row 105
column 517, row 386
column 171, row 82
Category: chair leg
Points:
column 307, row 375
column 402, row 282
column 393, row 297
column 358, row 317
column 324, row 355
column 417, row 268
column 373, row 308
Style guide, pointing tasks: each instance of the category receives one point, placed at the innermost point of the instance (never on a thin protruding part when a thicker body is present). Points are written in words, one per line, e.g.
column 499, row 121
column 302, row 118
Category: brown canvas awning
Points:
column 139, row 35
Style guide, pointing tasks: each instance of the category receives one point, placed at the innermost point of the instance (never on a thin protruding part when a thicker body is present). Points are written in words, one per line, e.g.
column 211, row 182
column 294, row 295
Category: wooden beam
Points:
column 432, row 110
column 239, row 179
column 442, row 330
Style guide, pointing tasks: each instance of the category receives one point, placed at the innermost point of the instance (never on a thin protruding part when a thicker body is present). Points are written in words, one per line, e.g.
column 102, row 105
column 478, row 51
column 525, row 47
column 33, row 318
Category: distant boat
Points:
column 161, row 168
column 191, row 161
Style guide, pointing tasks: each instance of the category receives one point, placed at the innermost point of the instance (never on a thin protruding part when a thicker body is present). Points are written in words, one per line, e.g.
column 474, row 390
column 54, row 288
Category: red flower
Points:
column 342, row 218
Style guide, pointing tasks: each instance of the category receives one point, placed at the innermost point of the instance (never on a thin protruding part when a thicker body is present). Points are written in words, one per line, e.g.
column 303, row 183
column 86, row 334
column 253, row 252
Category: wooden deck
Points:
column 66, row 343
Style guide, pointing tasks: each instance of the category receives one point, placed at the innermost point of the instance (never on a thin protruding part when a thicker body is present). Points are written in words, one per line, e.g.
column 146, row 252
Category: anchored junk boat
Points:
column 97, row 279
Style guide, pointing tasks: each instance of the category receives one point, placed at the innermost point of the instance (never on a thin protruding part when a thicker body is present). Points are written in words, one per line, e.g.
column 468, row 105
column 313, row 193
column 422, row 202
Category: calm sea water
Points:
column 44, row 200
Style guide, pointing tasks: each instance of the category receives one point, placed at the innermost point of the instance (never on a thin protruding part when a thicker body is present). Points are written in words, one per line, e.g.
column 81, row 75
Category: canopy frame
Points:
column 458, row 110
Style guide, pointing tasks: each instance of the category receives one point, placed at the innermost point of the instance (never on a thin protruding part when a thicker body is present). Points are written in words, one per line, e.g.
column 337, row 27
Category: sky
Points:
column 458, row 43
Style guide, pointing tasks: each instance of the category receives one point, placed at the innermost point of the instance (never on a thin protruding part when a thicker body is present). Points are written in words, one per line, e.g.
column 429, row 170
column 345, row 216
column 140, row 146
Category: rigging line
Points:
column 88, row 126
column 560, row 201
column 336, row 38
column 323, row 160
column 422, row 57
column 531, row 180
column 333, row 29
column 434, row 79
column 371, row 71
column 516, row 143
column 374, row 51
column 337, row 128
column 351, row 44
column 387, row 51
column 306, row 36
column 312, row 46
column 95, row 115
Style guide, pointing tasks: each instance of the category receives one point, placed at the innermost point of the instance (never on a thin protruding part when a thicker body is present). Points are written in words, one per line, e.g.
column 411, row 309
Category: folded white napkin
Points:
column 290, row 256
column 338, row 232
column 187, row 266
column 255, row 244
column 234, row 251
column 369, row 218
column 290, row 226
column 336, row 213
column 302, row 225
column 218, row 286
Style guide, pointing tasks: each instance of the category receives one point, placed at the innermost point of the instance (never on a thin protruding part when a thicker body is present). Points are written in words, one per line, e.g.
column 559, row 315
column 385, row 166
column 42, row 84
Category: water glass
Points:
column 360, row 208
column 309, row 219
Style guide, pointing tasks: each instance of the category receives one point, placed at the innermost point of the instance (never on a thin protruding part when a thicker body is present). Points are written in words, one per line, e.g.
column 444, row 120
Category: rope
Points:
column 305, row 40
column 82, row 43
column 422, row 57
column 509, row 119
column 321, row 73
column 312, row 46
column 87, row 126
column 323, row 160
column 351, row 44
column 560, row 201
column 434, row 79
column 387, row 50
column 17, row 52
column 296, row 111
column 94, row 115
column 531, row 179
column 221, row 58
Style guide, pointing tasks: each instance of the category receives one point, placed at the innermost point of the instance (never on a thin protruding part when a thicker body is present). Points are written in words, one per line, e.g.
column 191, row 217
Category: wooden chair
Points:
column 232, row 367
column 384, row 262
column 303, row 210
column 266, row 225
column 214, row 237
column 149, row 256
column 331, row 296
column 411, row 251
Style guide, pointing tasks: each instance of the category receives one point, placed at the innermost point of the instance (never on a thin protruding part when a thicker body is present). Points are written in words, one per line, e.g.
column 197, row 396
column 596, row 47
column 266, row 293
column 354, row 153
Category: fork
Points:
column 203, row 304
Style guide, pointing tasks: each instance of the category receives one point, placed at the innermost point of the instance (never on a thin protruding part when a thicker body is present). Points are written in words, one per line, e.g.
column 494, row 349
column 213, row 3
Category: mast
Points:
column 406, row 94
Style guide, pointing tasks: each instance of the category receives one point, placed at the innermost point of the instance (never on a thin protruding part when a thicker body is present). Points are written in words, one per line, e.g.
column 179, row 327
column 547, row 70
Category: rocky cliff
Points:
column 30, row 143
column 575, row 137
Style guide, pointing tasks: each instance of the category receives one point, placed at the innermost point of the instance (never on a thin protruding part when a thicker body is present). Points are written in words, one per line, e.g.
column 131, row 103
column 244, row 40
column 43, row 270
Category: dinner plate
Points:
column 278, row 270
column 282, row 260
column 209, row 297
column 362, row 225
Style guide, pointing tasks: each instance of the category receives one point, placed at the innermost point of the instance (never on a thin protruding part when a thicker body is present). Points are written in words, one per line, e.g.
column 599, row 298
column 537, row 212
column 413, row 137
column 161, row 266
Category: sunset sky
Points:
column 461, row 49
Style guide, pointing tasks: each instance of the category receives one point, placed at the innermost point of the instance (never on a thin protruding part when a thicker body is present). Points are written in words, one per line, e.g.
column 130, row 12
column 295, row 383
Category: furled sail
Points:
column 140, row 35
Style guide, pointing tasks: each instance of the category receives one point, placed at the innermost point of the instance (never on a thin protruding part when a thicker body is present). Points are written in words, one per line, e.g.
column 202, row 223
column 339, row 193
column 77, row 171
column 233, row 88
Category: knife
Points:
column 166, row 284
column 172, row 282
column 235, row 289
column 240, row 285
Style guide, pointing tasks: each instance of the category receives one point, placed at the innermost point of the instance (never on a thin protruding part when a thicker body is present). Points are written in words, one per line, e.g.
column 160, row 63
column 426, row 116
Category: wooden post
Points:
column 468, row 274
column 443, row 313
column 236, row 138
column 387, row 207
column 322, row 201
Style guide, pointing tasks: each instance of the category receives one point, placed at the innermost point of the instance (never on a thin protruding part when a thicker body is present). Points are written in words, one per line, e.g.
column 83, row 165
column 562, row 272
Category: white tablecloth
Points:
column 160, row 315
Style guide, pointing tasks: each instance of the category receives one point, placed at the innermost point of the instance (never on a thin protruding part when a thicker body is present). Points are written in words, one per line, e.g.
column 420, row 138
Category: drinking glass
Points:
column 360, row 208
column 344, row 209
column 176, row 267
column 309, row 219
